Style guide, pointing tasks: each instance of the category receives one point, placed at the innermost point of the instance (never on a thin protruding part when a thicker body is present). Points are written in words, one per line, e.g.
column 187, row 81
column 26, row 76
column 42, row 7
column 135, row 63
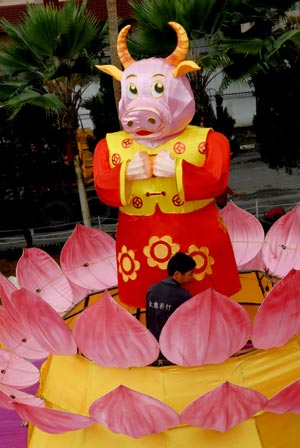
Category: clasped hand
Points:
column 141, row 167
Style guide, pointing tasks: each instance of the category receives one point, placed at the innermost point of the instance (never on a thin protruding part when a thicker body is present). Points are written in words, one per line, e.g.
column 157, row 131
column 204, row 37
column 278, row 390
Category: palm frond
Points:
column 251, row 46
column 9, row 89
column 47, row 101
column 288, row 36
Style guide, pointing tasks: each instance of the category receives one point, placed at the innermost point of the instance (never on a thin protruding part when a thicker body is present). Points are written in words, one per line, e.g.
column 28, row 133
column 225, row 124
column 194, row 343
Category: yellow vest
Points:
column 141, row 197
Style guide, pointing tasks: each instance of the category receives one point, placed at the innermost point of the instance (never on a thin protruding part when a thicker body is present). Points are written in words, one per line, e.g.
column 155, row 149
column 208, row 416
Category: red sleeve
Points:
column 211, row 179
column 229, row 190
column 106, row 179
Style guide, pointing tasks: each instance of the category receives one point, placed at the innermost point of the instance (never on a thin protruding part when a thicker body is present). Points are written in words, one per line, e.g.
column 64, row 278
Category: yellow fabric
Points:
column 73, row 383
column 243, row 436
column 255, row 285
column 279, row 431
column 157, row 191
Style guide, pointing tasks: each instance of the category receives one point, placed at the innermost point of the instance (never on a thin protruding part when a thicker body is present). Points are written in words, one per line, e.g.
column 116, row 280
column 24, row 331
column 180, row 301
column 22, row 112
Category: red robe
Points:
column 145, row 242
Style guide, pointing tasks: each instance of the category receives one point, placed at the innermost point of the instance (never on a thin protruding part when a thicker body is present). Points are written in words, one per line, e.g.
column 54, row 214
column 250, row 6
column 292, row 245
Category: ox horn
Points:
column 175, row 58
column 182, row 47
column 122, row 50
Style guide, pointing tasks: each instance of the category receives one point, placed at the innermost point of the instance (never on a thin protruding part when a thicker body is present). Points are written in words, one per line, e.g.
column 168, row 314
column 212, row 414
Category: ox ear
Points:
column 185, row 67
column 111, row 70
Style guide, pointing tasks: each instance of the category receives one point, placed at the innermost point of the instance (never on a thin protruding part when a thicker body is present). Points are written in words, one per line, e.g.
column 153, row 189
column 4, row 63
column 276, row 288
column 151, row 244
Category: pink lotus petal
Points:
column 52, row 420
column 207, row 329
column 6, row 289
column 287, row 400
column 43, row 323
column 278, row 318
column 256, row 264
column 125, row 411
column 13, row 333
column 88, row 258
column 78, row 292
column 245, row 231
column 9, row 395
column 39, row 273
column 17, row 339
column 17, row 372
column 224, row 407
column 110, row 336
column 281, row 251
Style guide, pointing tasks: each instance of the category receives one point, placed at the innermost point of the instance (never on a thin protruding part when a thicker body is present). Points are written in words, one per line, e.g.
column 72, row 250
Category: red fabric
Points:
column 211, row 179
column 107, row 180
column 221, row 200
column 201, row 228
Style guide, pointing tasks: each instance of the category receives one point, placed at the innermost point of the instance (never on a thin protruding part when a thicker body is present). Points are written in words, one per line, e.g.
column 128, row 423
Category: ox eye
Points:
column 132, row 91
column 157, row 89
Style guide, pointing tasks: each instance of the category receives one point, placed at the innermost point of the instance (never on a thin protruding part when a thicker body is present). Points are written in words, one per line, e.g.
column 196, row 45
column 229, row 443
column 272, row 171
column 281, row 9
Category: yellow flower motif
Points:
column 160, row 250
column 128, row 266
column 203, row 261
column 222, row 223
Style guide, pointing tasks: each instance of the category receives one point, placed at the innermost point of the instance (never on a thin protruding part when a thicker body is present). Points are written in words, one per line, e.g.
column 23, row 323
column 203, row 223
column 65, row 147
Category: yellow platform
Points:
column 73, row 383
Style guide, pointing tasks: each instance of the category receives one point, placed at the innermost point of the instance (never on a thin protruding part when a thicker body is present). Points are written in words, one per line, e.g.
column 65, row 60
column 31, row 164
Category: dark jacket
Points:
column 162, row 300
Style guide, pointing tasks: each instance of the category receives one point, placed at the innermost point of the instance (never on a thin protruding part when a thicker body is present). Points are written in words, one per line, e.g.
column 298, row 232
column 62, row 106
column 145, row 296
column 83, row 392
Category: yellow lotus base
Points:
column 73, row 383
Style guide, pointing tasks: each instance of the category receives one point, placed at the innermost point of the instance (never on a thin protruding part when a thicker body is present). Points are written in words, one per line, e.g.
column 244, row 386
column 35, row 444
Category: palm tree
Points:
column 49, row 62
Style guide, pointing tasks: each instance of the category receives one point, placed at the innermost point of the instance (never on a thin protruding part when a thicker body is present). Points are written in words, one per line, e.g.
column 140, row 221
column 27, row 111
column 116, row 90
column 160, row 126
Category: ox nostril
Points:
column 130, row 123
column 151, row 120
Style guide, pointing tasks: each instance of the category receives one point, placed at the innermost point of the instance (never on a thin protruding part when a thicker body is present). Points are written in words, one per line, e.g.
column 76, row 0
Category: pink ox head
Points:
column 157, row 101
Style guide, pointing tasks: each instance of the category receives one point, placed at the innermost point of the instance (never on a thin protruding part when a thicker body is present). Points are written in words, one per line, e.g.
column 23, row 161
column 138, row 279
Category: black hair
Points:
column 180, row 262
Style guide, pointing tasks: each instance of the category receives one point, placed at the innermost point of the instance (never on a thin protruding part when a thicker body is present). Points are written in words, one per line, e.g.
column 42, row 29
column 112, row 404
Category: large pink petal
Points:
column 224, row 407
column 207, row 329
column 39, row 273
column 17, row 372
column 287, row 400
column 245, row 231
column 125, row 411
column 43, row 323
column 281, row 251
column 110, row 336
column 17, row 339
column 13, row 333
column 9, row 395
column 88, row 258
column 52, row 420
column 278, row 318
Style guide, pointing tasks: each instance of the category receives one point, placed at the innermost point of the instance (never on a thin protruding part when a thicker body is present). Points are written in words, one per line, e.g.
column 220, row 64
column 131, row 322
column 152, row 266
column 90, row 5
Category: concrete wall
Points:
column 238, row 98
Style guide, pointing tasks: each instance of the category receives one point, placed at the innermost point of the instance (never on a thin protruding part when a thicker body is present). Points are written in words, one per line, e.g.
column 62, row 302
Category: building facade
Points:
column 13, row 10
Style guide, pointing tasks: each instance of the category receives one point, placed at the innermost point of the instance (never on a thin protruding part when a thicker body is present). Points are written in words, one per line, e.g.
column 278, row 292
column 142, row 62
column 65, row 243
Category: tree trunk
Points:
column 84, row 205
column 112, row 14
column 71, row 119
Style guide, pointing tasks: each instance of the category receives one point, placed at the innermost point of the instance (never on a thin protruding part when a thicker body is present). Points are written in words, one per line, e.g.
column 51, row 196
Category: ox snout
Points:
column 142, row 121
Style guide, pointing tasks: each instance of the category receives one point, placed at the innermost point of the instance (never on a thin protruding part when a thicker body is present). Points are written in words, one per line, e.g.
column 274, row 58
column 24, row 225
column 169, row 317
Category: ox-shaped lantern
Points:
column 164, row 174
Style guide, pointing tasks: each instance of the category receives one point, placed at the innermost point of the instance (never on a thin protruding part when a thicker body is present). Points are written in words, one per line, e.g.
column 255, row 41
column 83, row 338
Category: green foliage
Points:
column 155, row 38
column 32, row 152
column 50, row 59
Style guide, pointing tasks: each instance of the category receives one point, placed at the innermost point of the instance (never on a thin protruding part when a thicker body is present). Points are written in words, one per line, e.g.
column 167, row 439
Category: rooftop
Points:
column 13, row 10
